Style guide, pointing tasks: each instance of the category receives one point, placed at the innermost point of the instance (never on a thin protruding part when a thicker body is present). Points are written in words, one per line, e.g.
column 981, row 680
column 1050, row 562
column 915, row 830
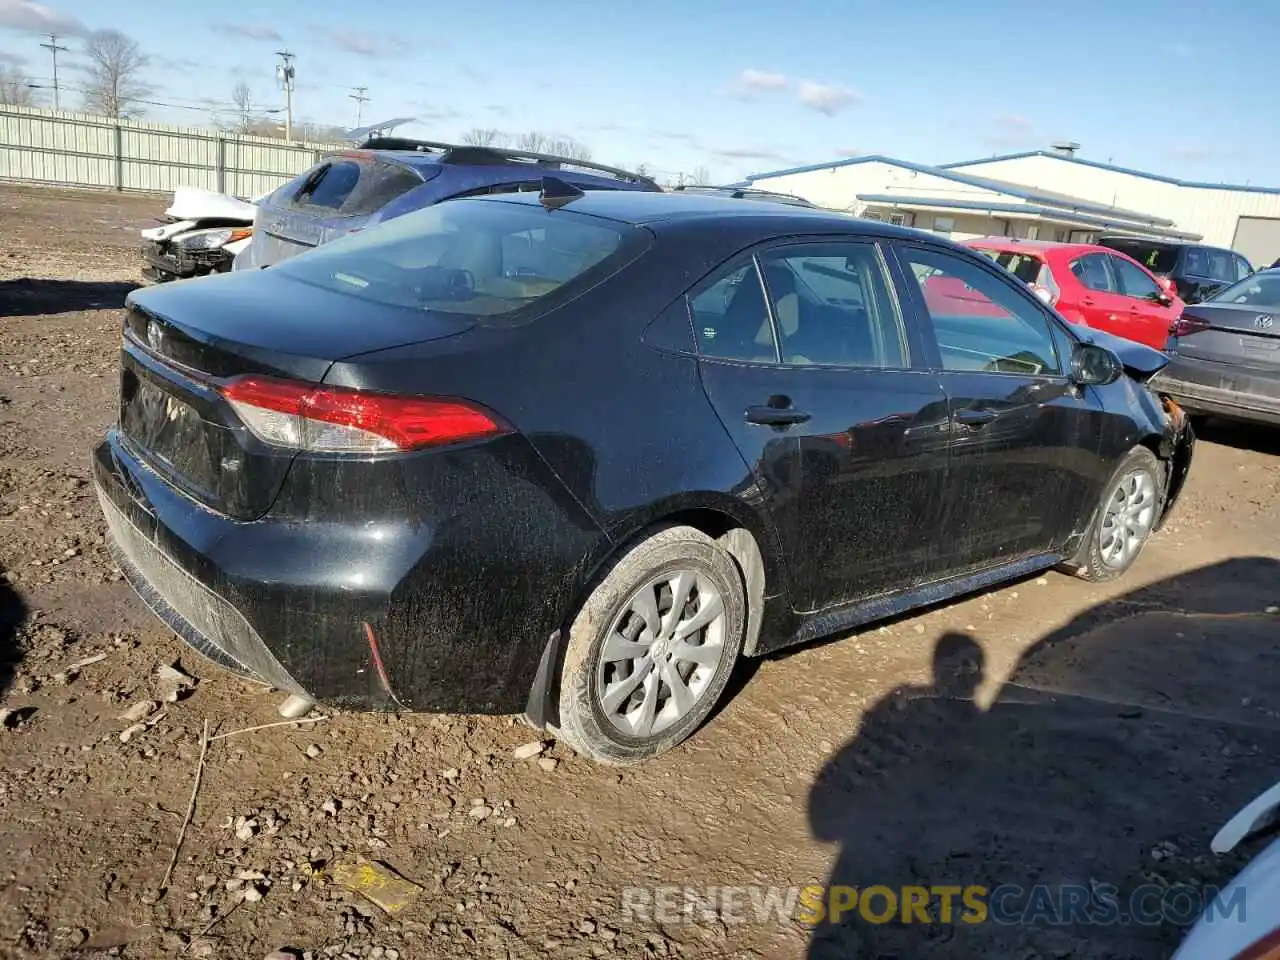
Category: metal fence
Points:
column 74, row 149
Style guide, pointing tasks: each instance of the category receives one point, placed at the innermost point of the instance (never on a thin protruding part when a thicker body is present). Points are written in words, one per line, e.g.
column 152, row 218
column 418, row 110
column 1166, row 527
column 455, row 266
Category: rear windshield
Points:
column 1156, row 257
column 478, row 258
column 1259, row 290
column 351, row 186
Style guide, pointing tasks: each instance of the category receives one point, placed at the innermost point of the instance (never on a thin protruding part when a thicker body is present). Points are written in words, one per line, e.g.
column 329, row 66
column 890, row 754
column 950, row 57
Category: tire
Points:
column 618, row 703
column 1113, row 544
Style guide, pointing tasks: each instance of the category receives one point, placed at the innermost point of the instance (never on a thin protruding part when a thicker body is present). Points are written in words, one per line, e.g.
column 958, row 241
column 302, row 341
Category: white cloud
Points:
column 362, row 44
column 760, row 80
column 250, row 31
column 31, row 17
column 827, row 98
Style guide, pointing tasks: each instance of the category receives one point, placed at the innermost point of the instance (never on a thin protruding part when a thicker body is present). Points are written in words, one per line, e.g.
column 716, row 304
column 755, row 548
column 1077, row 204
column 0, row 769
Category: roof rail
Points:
column 467, row 153
column 746, row 193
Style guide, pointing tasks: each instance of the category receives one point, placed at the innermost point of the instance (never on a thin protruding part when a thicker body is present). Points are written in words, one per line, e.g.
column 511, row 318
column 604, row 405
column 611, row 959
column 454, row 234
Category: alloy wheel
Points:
column 661, row 653
column 1128, row 518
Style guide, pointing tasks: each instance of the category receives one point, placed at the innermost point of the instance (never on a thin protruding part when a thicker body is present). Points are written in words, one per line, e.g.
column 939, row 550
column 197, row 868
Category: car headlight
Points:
column 213, row 239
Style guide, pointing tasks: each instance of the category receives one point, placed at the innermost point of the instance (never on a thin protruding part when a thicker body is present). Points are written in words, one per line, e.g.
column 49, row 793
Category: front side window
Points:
column 1222, row 265
column 1132, row 282
column 982, row 324
column 1093, row 271
column 730, row 317
column 1242, row 268
column 832, row 305
column 473, row 257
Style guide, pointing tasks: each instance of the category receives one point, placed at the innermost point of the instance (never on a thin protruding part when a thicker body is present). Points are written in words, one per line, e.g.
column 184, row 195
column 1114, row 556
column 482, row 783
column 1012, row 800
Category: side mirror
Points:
column 1092, row 365
column 1163, row 299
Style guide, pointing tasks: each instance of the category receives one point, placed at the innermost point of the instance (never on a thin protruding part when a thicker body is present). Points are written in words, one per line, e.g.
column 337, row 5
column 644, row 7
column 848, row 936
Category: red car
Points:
column 1091, row 285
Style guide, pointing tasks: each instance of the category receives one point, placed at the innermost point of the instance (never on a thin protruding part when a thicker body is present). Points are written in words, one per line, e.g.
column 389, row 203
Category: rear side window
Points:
column 472, row 257
column 1132, row 281
column 1023, row 266
column 831, row 305
column 731, row 318
column 1092, row 271
column 1156, row 257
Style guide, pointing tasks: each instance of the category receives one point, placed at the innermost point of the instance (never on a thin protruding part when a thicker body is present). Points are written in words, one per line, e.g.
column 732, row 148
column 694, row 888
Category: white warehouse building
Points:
column 1041, row 194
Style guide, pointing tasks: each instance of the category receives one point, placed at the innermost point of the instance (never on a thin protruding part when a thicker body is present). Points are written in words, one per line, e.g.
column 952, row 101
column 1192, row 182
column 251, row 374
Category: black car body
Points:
column 1224, row 354
column 1198, row 271
column 870, row 473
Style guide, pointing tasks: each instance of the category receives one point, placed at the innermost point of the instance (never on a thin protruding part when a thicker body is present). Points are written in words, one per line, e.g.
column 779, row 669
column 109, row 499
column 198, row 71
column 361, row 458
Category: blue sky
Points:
column 1178, row 88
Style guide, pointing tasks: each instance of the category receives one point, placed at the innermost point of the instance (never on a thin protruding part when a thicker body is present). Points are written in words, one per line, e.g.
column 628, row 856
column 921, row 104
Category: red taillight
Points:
column 1185, row 326
column 306, row 416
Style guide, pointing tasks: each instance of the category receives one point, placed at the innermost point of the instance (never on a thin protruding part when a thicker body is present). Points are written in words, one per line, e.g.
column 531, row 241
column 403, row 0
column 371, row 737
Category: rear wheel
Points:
column 1125, row 518
column 652, row 648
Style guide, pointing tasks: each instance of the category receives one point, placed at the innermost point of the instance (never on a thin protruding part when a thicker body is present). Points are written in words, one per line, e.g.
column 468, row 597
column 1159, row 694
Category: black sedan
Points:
column 1225, row 353
column 573, row 455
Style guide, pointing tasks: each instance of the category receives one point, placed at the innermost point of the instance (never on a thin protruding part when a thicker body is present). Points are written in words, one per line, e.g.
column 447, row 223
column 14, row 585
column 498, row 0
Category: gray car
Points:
column 1225, row 353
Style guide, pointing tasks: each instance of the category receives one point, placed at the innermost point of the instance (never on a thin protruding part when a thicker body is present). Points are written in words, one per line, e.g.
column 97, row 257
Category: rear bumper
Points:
column 345, row 594
column 1203, row 386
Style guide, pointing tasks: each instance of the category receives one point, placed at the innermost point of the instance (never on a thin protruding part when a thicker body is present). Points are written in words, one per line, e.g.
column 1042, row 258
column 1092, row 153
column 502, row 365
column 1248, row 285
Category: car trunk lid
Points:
column 184, row 341
column 1236, row 333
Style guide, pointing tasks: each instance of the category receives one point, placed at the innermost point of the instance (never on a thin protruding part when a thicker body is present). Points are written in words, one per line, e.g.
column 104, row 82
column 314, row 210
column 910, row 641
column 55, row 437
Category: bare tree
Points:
column 533, row 142
column 113, row 83
column 484, row 137
column 243, row 100
column 700, row 177
column 15, row 90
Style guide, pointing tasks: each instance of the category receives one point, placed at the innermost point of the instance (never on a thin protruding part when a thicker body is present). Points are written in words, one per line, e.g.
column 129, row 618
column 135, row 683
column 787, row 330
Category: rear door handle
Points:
column 1086, row 301
column 769, row 416
column 975, row 417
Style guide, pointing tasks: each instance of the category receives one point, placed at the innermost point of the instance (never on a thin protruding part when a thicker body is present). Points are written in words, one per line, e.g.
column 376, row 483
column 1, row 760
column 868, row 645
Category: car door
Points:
column 1100, row 302
column 1149, row 313
column 807, row 359
column 1024, row 439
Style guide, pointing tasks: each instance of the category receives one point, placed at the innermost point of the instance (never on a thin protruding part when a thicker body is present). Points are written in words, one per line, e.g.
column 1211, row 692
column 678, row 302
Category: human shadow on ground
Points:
column 28, row 297
column 12, row 612
column 1110, row 756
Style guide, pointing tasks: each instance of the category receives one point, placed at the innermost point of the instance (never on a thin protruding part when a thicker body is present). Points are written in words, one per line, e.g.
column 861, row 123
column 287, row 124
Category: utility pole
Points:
column 360, row 99
column 285, row 75
column 53, row 47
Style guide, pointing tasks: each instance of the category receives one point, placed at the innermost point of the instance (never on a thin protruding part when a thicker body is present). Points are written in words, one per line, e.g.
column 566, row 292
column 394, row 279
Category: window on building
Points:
column 944, row 225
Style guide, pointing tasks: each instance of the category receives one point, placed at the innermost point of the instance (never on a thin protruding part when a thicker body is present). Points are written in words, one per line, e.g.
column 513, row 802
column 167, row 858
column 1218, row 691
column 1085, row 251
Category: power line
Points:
column 53, row 47
column 285, row 73
column 360, row 99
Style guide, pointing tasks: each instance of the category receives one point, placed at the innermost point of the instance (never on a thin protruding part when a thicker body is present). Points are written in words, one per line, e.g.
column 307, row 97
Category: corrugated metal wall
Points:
column 71, row 149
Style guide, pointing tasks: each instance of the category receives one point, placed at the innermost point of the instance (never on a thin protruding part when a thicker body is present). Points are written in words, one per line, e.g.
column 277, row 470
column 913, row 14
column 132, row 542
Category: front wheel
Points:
column 652, row 648
column 1125, row 518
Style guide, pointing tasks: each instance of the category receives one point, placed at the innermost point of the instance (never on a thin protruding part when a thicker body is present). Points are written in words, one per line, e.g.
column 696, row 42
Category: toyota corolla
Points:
column 573, row 455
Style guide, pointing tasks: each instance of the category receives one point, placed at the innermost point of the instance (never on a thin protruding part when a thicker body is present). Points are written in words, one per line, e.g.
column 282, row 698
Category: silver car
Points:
column 1225, row 353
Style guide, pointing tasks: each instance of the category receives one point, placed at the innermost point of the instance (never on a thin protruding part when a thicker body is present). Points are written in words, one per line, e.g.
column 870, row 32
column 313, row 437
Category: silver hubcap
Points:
column 661, row 653
column 1127, row 518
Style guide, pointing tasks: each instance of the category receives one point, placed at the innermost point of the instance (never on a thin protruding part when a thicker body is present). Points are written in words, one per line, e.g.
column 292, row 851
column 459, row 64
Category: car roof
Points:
column 645, row 208
column 1014, row 245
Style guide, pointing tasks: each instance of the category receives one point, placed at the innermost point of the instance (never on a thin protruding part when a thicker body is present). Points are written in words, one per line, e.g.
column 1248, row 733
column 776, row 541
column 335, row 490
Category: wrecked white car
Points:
column 1243, row 922
column 201, row 234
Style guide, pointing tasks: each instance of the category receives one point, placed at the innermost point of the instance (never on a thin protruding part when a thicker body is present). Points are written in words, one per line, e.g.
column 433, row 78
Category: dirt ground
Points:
column 1073, row 734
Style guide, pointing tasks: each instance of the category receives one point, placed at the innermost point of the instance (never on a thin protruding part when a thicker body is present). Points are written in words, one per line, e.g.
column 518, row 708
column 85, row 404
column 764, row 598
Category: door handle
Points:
column 778, row 412
column 975, row 417
column 1086, row 301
